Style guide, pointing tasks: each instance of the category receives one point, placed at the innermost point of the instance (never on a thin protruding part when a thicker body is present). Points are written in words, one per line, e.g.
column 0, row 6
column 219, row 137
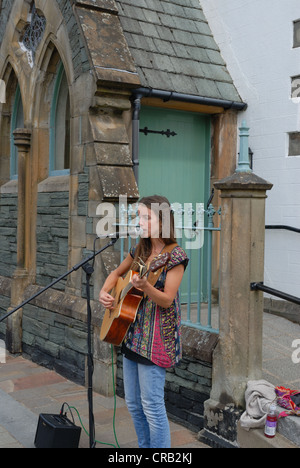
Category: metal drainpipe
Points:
column 135, row 134
column 172, row 96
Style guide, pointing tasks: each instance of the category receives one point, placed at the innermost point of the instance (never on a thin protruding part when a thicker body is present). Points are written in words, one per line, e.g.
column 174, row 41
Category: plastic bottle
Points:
column 271, row 422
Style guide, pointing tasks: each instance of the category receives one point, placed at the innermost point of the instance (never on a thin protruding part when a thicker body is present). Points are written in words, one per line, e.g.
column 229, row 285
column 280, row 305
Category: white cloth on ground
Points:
column 258, row 395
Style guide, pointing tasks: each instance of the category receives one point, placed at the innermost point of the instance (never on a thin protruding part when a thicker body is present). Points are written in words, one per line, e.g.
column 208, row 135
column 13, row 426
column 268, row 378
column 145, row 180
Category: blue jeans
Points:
column 144, row 396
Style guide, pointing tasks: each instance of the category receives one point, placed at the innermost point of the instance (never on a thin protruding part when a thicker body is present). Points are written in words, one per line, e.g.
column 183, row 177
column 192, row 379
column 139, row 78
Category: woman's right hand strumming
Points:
column 106, row 299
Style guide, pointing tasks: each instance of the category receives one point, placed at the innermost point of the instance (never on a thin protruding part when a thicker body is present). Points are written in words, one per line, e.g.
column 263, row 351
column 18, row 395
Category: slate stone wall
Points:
column 6, row 6
column 5, row 292
column 79, row 55
column 52, row 237
column 187, row 387
column 55, row 341
column 8, row 233
column 55, row 332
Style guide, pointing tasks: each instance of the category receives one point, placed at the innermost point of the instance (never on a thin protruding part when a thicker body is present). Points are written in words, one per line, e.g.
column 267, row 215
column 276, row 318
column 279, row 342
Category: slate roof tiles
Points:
column 173, row 48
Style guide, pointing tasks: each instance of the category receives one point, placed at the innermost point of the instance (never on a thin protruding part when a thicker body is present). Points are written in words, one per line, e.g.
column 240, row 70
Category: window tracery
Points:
column 34, row 32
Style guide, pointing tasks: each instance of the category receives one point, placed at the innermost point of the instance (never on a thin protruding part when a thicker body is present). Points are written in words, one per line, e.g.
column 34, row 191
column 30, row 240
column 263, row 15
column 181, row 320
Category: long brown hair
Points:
column 165, row 214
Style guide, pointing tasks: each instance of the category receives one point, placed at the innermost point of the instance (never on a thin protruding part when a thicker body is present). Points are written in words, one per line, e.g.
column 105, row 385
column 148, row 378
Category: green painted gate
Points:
column 177, row 167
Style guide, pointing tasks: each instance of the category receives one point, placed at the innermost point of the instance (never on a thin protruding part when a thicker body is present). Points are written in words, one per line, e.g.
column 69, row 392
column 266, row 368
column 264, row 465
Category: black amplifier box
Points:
column 56, row 431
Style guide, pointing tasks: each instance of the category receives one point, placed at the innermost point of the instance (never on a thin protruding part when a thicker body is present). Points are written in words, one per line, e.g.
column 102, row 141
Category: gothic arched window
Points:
column 60, row 125
column 17, row 121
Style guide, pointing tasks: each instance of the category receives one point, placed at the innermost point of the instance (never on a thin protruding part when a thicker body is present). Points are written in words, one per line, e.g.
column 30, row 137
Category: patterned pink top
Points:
column 156, row 332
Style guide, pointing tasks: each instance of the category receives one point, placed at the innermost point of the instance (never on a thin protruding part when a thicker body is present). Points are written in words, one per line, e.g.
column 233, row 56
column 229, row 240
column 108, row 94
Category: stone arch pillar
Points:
column 22, row 139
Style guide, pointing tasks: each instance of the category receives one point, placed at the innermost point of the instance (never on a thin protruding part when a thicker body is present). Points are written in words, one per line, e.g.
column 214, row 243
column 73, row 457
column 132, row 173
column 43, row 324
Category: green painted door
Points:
column 177, row 167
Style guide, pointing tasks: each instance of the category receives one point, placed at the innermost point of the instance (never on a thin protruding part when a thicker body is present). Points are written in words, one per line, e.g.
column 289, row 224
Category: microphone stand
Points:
column 84, row 264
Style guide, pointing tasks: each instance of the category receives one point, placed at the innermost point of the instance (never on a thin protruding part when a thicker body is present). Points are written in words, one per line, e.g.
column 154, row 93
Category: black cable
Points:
column 62, row 411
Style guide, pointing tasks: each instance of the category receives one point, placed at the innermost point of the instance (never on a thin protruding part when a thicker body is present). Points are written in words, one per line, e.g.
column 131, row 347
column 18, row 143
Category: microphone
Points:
column 132, row 232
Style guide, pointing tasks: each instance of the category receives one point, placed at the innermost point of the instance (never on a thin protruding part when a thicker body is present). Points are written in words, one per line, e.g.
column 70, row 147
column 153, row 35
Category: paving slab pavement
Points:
column 279, row 364
column 28, row 390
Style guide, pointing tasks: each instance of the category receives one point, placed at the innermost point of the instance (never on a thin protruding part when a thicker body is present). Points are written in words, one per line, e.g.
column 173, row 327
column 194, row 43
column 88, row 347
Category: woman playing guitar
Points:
column 153, row 341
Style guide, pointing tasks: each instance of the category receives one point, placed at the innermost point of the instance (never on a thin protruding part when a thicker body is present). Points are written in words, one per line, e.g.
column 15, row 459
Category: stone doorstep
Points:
column 223, row 428
column 289, row 428
column 287, row 436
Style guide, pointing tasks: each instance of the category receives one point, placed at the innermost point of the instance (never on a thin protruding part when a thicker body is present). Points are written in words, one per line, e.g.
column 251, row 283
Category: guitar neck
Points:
column 154, row 266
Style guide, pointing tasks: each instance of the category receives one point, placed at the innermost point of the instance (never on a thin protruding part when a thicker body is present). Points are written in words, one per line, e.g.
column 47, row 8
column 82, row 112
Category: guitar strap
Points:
column 153, row 276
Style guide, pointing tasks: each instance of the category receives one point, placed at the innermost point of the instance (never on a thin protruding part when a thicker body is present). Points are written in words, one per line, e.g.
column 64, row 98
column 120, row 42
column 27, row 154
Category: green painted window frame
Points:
column 17, row 115
column 54, row 106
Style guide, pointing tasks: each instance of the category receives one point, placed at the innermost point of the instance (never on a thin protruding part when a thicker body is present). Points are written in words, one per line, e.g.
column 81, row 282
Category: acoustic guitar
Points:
column 116, row 321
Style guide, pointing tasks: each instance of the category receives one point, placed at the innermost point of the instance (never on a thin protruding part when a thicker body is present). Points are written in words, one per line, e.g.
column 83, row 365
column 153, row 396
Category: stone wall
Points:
column 287, row 310
column 8, row 233
column 52, row 237
column 55, row 332
column 79, row 54
column 56, row 341
column 5, row 292
column 187, row 388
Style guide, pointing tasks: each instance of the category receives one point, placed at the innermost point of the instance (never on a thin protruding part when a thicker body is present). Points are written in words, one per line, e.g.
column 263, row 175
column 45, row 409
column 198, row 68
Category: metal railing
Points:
column 274, row 292
column 282, row 227
column 267, row 289
column 194, row 231
column 197, row 308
